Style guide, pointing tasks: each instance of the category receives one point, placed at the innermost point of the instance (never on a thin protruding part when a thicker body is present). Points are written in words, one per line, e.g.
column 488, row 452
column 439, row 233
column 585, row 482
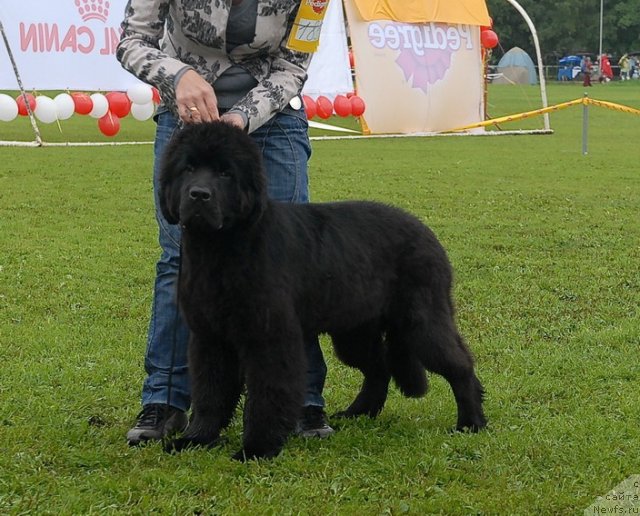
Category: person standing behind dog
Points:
column 239, row 61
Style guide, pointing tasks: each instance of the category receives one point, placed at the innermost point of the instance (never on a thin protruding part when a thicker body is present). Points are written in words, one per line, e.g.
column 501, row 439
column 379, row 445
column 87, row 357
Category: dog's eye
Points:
column 225, row 174
column 189, row 169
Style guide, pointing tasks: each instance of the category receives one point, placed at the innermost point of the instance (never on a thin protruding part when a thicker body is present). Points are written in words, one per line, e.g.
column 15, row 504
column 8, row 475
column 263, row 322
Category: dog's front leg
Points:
column 215, row 390
column 275, row 379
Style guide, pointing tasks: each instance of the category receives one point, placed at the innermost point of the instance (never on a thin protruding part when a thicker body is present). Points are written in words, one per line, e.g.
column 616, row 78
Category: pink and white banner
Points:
column 60, row 44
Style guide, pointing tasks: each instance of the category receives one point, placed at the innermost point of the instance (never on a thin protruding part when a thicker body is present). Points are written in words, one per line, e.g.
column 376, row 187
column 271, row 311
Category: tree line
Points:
column 568, row 27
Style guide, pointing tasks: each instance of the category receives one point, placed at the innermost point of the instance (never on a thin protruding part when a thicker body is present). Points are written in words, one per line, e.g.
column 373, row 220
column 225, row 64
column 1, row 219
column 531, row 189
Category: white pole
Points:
column 600, row 48
column 34, row 124
column 543, row 88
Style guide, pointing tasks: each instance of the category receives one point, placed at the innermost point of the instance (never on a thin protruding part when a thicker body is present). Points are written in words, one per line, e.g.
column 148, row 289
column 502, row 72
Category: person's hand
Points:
column 196, row 99
column 233, row 119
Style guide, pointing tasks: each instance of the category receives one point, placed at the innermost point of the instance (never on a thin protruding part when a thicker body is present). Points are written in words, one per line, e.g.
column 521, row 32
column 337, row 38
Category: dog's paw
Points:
column 184, row 443
column 471, row 427
column 176, row 445
column 352, row 414
column 240, row 456
column 244, row 455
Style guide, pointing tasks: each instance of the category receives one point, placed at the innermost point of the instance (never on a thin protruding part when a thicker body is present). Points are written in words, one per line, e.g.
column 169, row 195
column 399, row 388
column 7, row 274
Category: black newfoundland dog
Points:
column 257, row 276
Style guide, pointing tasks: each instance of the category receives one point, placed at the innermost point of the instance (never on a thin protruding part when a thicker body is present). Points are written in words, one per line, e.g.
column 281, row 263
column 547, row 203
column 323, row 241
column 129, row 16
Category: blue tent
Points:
column 569, row 68
column 516, row 67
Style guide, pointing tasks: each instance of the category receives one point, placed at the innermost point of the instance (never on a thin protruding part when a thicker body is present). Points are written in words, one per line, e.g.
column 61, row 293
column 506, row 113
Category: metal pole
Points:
column 600, row 48
column 34, row 125
column 585, row 125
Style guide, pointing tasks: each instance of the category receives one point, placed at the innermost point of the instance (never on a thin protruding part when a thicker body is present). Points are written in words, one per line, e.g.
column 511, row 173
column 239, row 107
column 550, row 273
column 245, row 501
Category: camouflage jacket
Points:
column 162, row 37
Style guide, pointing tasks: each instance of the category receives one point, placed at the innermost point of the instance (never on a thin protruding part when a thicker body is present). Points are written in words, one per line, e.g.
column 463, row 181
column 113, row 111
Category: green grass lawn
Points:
column 545, row 243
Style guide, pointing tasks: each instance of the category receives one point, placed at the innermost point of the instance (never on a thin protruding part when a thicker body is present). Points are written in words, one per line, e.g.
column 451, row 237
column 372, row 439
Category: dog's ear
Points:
column 169, row 202
column 168, row 194
column 253, row 199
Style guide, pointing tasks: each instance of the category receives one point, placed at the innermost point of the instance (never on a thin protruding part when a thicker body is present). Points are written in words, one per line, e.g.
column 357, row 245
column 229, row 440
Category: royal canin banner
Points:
column 63, row 44
column 417, row 77
column 71, row 44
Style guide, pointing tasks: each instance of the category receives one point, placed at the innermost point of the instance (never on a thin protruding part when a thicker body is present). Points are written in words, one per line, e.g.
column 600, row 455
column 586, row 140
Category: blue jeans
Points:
column 285, row 149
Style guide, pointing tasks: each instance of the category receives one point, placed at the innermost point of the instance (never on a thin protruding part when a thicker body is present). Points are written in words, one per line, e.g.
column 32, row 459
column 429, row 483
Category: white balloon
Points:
column 8, row 108
column 140, row 93
column 142, row 111
column 64, row 105
column 46, row 110
column 100, row 105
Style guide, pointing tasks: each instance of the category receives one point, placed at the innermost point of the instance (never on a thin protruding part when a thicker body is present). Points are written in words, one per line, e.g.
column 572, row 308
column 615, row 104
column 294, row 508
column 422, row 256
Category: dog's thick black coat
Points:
column 259, row 277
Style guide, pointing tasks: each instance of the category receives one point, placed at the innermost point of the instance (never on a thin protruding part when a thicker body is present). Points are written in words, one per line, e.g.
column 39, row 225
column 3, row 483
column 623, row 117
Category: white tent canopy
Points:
column 329, row 72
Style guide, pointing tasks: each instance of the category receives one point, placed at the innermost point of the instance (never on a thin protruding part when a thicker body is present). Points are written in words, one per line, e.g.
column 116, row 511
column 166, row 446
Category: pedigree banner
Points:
column 416, row 77
column 60, row 44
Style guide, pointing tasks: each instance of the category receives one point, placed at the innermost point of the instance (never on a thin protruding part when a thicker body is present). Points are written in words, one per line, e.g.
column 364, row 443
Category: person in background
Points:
column 606, row 73
column 633, row 67
column 585, row 67
column 625, row 67
column 235, row 61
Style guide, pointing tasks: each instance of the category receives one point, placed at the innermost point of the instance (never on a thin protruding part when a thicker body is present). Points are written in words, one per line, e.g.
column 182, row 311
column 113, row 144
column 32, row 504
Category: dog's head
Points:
column 212, row 178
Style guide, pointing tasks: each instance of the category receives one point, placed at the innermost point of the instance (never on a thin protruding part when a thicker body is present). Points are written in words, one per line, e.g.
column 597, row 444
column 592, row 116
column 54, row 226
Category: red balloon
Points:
column 119, row 103
column 357, row 105
column 351, row 94
column 83, row 103
column 109, row 124
column 156, row 95
column 324, row 107
column 488, row 38
column 22, row 105
column 342, row 105
column 309, row 106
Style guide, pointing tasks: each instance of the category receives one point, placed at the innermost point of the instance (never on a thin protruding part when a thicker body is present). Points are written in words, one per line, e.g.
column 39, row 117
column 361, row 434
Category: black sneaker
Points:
column 155, row 422
column 313, row 423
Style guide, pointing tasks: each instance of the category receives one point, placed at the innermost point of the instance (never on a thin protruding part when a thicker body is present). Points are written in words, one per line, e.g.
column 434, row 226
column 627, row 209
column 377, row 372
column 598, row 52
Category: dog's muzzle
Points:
column 200, row 194
column 198, row 209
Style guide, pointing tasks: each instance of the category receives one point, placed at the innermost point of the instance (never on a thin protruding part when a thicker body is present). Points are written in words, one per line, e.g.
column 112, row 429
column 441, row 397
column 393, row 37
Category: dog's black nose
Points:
column 199, row 193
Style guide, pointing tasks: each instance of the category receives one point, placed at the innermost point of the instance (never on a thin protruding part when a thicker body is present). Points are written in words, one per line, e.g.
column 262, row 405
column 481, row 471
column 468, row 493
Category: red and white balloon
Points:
column 100, row 105
column 109, row 124
column 65, row 106
column 488, row 36
column 8, row 108
column 46, row 109
column 142, row 112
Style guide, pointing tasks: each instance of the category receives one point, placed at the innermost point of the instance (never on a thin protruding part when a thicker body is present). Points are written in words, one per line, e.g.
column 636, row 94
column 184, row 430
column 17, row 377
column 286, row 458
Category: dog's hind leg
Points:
column 443, row 351
column 215, row 390
column 363, row 349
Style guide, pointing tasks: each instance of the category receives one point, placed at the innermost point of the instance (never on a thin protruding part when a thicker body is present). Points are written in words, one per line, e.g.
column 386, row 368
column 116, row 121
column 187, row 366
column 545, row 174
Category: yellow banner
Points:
column 471, row 12
column 305, row 33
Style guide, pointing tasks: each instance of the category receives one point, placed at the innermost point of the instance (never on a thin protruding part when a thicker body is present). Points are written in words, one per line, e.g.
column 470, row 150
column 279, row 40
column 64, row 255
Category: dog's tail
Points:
column 405, row 365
